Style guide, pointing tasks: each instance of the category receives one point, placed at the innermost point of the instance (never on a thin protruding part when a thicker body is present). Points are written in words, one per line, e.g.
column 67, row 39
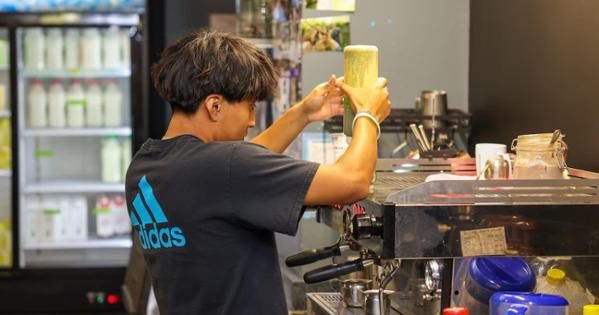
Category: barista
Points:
column 205, row 204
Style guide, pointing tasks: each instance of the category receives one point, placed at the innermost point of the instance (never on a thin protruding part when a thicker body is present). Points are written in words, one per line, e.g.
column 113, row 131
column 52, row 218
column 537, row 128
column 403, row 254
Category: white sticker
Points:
column 483, row 242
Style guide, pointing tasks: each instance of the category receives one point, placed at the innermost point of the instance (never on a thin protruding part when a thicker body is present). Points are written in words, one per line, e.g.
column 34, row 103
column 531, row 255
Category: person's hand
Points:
column 324, row 102
column 375, row 99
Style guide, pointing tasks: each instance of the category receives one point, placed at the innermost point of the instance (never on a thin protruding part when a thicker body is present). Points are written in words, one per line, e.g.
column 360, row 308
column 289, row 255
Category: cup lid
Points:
column 556, row 276
column 456, row 311
column 527, row 298
column 502, row 273
column 591, row 310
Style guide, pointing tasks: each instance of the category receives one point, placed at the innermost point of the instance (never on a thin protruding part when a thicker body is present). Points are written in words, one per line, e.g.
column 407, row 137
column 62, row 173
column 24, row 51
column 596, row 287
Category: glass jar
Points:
column 255, row 18
column 537, row 157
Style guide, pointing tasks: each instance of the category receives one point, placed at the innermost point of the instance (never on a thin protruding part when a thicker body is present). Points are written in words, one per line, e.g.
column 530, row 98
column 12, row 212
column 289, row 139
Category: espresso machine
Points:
column 410, row 236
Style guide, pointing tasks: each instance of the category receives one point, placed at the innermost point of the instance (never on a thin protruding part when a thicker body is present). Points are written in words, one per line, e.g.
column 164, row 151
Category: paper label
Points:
column 51, row 211
column 99, row 211
column 483, row 242
column 43, row 153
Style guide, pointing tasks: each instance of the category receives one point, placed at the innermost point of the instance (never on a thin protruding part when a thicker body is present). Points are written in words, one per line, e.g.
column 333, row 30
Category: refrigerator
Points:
column 71, row 115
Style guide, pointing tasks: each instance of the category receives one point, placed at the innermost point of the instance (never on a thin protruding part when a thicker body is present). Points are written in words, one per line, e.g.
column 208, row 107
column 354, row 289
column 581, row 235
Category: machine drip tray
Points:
column 331, row 303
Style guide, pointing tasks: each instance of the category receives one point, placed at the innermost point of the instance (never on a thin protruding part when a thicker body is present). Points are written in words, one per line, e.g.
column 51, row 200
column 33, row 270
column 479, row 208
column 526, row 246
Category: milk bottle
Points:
column 111, row 160
column 113, row 105
column 77, row 220
column 65, row 210
column 34, row 223
column 54, row 49
column 111, row 48
column 104, row 222
column 71, row 48
column 126, row 152
column 75, row 105
column 94, row 114
column 91, row 45
column 120, row 216
column 38, row 107
column 556, row 282
column 125, row 48
column 56, row 105
column 52, row 219
column 34, row 49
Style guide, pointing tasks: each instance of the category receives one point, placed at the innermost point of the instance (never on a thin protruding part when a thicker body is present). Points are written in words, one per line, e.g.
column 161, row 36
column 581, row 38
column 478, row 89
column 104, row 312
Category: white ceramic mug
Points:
column 485, row 152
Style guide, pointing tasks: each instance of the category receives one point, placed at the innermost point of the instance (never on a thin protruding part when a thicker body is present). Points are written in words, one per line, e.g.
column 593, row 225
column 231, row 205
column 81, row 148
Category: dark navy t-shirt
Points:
column 205, row 214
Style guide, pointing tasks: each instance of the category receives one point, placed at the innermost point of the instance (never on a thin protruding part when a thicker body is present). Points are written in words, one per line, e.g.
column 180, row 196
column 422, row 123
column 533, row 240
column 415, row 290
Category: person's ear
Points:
column 214, row 104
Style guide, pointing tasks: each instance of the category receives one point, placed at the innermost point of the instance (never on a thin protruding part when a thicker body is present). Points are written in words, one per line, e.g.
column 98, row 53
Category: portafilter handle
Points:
column 313, row 255
column 336, row 270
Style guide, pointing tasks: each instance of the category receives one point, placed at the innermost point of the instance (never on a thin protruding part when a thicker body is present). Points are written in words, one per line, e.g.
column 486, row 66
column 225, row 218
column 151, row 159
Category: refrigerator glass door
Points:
column 74, row 145
column 5, row 155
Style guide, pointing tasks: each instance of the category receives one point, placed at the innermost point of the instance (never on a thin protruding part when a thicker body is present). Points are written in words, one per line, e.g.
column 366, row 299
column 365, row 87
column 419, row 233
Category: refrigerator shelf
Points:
column 86, row 244
column 5, row 173
column 73, row 187
column 76, row 132
column 4, row 115
column 75, row 74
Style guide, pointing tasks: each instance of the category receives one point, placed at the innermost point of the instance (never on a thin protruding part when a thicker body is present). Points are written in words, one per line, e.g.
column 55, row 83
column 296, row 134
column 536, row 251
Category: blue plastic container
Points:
column 487, row 276
column 523, row 303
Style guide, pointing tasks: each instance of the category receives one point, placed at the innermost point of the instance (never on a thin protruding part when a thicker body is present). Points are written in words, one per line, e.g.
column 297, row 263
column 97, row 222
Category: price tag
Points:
column 483, row 242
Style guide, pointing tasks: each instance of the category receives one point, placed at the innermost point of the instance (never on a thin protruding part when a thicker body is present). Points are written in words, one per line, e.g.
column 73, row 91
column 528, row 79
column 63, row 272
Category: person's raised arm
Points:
column 324, row 102
column 348, row 180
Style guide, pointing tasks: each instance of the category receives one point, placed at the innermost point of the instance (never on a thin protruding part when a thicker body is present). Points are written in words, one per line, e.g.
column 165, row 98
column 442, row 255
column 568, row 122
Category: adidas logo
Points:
column 153, row 238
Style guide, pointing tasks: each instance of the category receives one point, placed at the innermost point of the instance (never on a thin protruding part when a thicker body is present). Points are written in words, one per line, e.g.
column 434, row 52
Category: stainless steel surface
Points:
column 421, row 142
column 499, row 192
column 433, row 275
column 497, row 169
column 375, row 305
column 387, row 183
column 384, row 303
column 434, row 220
column 327, row 303
column 398, row 174
column 433, row 104
column 429, row 144
column 461, row 166
column 402, row 182
column 428, row 220
column 353, row 291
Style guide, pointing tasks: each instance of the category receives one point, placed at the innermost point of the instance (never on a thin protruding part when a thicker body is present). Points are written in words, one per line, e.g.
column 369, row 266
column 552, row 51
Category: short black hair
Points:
column 204, row 63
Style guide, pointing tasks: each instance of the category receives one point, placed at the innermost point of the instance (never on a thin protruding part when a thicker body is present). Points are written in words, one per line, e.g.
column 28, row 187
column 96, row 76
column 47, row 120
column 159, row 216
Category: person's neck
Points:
column 186, row 124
